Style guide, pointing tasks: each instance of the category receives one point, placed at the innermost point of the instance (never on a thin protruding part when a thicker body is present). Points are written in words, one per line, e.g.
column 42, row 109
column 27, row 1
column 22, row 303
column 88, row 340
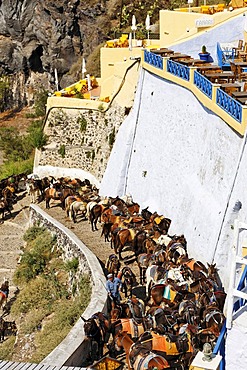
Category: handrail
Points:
column 178, row 69
column 220, row 344
column 230, row 105
column 203, row 84
column 153, row 59
column 224, row 56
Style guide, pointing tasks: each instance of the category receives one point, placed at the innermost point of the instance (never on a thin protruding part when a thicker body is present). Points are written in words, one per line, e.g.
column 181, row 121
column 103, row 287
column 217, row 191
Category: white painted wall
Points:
column 190, row 158
column 183, row 161
column 195, row 169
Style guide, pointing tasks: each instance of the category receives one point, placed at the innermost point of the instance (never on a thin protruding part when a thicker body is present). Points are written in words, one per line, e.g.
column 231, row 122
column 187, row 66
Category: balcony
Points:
column 192, row 76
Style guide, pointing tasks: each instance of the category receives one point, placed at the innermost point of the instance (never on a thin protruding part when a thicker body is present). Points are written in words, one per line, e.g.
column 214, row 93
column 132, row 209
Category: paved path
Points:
column 11, row 238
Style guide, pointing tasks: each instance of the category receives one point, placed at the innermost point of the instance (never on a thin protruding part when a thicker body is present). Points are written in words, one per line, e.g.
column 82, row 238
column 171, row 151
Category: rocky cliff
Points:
column 38, row 36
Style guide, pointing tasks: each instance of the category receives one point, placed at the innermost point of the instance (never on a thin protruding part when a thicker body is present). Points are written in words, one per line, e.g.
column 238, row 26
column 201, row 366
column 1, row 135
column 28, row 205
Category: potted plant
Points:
column 204, row 54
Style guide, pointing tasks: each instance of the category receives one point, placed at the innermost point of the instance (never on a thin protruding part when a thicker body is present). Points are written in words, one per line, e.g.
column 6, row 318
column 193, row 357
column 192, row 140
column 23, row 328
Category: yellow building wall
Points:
column 114, row 63
column 174, row 25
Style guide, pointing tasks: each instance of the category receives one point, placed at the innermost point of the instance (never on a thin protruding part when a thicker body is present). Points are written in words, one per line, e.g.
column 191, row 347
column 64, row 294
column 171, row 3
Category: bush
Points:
column 40, row 103
column 83, row 123
column 112, row 138
column 36, row 136
column 101, row 108
column 72, row 265
column 14, row 146
column 9, row 167
column 61, row 150
column 33, row 232
column 36, row 255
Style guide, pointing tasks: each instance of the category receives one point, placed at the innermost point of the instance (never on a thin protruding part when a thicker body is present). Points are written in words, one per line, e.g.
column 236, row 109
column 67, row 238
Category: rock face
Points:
column 38, row 36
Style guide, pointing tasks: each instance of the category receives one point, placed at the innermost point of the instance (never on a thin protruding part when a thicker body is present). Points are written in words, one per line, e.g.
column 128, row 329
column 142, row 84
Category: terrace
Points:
column 223, row 92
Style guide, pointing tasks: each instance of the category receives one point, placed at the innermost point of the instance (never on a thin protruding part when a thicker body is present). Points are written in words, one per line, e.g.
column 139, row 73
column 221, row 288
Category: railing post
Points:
column 165, row 59
column 215, row 87
column 192, row 71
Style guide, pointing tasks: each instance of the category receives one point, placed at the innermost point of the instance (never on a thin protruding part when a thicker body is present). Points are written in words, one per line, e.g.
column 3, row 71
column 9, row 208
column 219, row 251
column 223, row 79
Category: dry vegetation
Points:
column 46, row 307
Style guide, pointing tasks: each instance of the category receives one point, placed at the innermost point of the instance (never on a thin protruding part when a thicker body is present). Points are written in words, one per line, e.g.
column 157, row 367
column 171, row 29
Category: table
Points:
column 241, row 64
column 210, row 67
column 162, row 52
column 239, row 94
column 192, row 62
column 242, row 100
column 215, row 77
column 177, row 56
column 230, row 88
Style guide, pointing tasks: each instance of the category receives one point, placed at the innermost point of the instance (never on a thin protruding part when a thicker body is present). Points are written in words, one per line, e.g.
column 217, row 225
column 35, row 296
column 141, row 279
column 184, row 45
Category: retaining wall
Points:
column 74, row 348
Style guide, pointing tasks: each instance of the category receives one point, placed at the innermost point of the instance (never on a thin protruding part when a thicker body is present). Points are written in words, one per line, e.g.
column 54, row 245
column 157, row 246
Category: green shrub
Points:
column 40, row 100
column 101, row 107
column 72, row 265
column 44, row 303
column 112, row 137
column 7, row 349
column 5, row 92
column 36, row 137
column 38, row 252
column 83, row 123
column 14, row 146
column 33, row 232
column 61, row 150
column 9, row 167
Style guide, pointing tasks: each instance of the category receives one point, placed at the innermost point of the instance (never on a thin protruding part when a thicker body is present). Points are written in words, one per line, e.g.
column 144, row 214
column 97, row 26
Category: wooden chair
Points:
column 205, row 9
column 238, row 48
column 243, row 53
column 245, row 86
column 220, row 8
column 234, row 69
column 242, row 76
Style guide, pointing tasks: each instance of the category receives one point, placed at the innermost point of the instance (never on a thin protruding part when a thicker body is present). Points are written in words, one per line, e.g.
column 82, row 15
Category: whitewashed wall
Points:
column 182, row 164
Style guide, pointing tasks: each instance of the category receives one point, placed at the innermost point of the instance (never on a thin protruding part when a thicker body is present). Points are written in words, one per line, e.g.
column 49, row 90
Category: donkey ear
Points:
column 83, row 319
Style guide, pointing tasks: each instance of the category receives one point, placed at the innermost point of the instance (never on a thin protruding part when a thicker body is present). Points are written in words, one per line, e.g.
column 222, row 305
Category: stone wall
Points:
column 74, row 347
column 81, row 138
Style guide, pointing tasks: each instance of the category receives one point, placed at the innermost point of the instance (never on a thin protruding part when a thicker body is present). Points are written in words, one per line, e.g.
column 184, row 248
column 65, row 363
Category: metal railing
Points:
column 225, row 56
column 178, row 70
column 230, row 105
column 220, row 344
column 203, row 84
column 153, row 59
column 233, row 112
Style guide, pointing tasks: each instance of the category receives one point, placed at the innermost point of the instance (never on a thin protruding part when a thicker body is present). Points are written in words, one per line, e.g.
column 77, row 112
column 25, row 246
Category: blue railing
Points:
column 153, row 59
column 220, row 344
column 230, row 105
column 224, row 56
column 178, row 70
column 203, row 84
column 241, row 285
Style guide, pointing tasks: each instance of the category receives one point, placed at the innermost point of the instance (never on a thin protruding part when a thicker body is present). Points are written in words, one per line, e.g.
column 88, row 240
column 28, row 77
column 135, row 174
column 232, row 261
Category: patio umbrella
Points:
column 89, row 82
column 148, row 24
column 133, row 26
column 130, row 41
column 83, row 69
column 56, row 78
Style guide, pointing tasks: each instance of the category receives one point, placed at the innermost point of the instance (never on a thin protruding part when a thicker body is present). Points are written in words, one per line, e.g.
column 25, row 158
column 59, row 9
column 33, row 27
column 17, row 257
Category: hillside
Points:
column 37, row 37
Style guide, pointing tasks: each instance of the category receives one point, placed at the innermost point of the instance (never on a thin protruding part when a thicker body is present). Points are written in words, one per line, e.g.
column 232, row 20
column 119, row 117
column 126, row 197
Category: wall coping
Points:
column 65, row 350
